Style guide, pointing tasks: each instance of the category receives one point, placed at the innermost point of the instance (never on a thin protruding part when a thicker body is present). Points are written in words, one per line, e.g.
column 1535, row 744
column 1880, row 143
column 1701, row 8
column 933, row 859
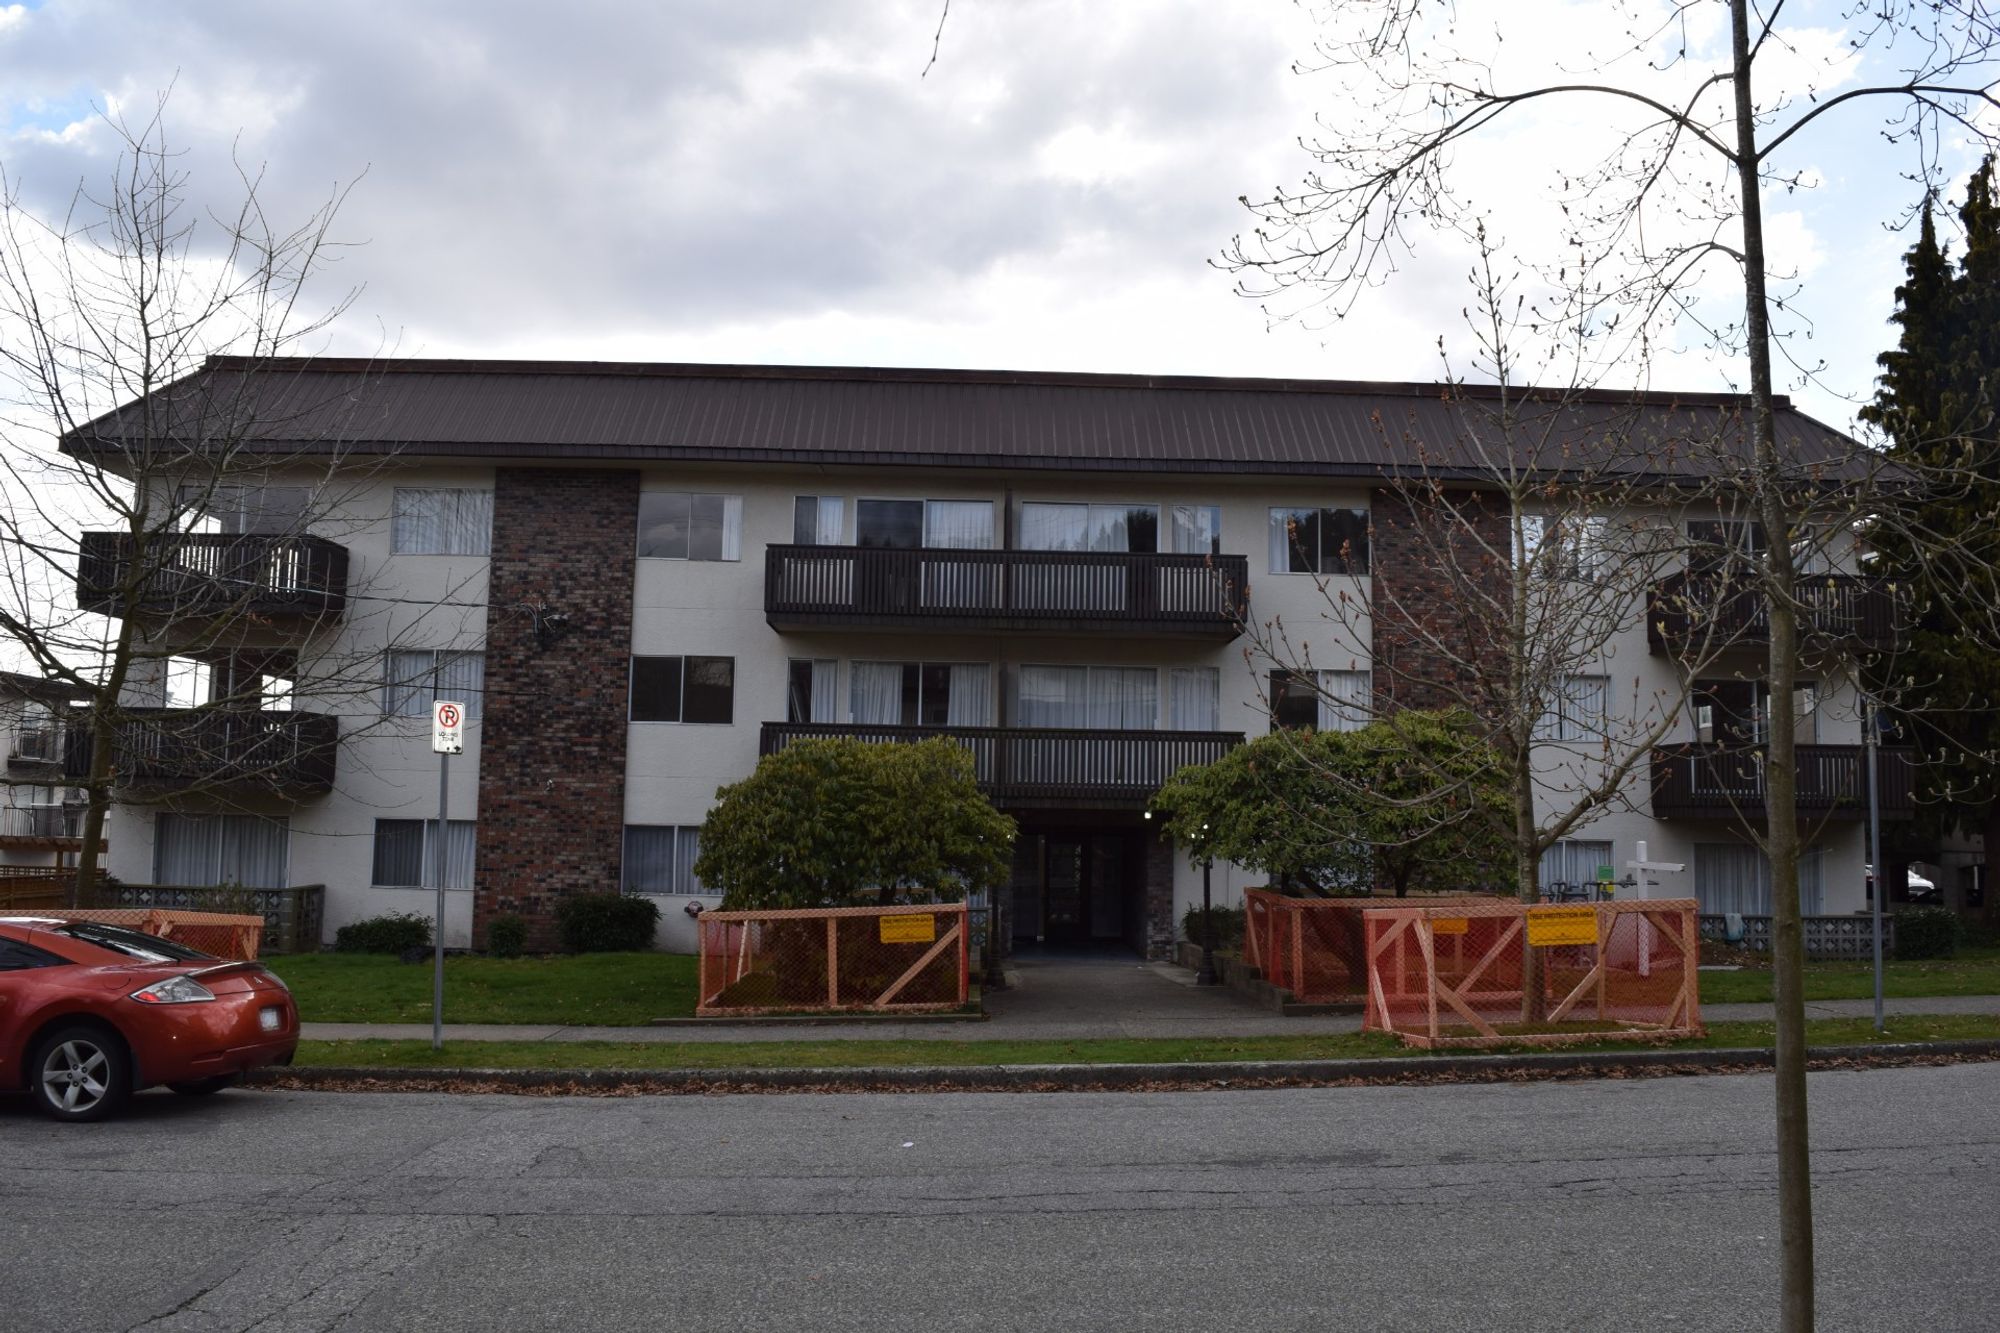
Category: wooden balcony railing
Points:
column 1704, row 781
column 182, row 747
column 1047, row 765
column 1838, row 612
column 209, row 573
column 809, row 587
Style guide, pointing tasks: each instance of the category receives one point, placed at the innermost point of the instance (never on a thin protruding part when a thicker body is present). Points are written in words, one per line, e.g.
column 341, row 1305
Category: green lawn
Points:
column 617, row 989
column 878, row 1054
column 1975, row 971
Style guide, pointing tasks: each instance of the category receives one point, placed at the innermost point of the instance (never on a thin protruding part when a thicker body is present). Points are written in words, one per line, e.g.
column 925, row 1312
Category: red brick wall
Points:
column 552, row 745
column 1425, row 559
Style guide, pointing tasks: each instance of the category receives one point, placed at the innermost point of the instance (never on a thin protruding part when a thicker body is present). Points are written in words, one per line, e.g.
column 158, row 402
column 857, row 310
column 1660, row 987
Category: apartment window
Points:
column 1574, row 863
column 442, row 521
column 244, row 509
column 35, row 733
column 809, row 690
column 1194, row 699
column 965, row 525
column 675, row 525
column 1104, row 698
column 1322, row 700
column 921, row 694
column 683, row 689
column 406, row 853
column 1574, row 546
column 1319, row 541
column 1736, row 877
column 659, row 859
column 413, row 679
column 202, row 850
column 1196, row 529
column 1738, row 712
column 1578, row 710
column 1089, row 527
column 819, row 520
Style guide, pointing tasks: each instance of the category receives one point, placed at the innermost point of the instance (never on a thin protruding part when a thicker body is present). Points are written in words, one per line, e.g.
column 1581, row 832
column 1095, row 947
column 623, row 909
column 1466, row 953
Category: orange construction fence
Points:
column 1458, row 974
column 224, row 934
column 1313, row 947
column 833, row 959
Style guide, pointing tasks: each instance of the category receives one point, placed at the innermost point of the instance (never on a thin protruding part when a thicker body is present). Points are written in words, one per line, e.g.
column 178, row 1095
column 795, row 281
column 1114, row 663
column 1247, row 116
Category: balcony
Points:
column 1702, row 781
column 211, row 574
column 44, row 827
column 1838, row 613
column 34, row 747
column 1058, row 592
column 291, row 753
column 1037, row 766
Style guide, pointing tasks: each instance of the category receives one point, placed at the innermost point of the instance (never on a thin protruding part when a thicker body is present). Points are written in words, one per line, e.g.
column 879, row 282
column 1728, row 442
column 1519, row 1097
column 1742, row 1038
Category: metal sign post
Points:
column 1871, row 735
column 1643, row 871
column 447, row 739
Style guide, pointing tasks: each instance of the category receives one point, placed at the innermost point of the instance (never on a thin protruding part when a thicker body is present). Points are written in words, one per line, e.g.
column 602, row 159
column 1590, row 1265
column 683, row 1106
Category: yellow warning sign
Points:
column 1561, row 925
column 1449, row 925
column 909, row 929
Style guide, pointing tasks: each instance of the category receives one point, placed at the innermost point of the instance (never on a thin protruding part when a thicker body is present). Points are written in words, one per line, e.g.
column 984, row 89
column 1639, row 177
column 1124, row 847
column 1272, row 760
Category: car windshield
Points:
column 132, row 943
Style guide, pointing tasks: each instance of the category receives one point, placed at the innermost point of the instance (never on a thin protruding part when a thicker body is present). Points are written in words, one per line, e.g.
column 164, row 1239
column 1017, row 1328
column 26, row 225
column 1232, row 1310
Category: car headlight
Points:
column 174, row 990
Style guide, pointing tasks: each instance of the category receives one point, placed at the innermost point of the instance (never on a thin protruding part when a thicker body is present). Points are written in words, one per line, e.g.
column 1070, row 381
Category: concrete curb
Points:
column 1094, row 1078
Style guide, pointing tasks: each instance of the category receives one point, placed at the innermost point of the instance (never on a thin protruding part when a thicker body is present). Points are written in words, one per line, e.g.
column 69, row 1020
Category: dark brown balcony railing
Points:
column 180, row 747
column 1047, row 765
column 808, row 587
column 1837, row 612
column 41, row 823
column 210, row 573
column 1702, row 781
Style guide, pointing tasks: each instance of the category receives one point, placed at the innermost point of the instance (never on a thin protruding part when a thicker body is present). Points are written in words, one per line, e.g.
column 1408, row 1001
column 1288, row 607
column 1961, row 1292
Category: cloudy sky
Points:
column 772, row 180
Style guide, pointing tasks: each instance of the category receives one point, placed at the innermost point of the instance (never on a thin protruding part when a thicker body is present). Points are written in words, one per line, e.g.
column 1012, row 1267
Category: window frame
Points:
column 681, row 700
column 1322, row 564
column 474, row 700
column 395, row 519
column 687, row 850
column 732, row 507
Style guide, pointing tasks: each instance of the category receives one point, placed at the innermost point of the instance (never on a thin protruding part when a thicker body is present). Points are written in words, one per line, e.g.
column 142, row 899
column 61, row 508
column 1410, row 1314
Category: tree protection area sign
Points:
column 1561, row 925
column 909, row 929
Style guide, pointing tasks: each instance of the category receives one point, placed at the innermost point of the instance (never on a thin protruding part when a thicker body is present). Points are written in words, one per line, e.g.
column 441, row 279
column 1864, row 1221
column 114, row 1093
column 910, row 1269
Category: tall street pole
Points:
column 1870, row 741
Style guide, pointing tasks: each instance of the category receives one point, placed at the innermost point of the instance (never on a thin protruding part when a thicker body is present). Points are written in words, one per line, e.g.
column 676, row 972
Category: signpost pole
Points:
column 1869, row 756
column 447, row 739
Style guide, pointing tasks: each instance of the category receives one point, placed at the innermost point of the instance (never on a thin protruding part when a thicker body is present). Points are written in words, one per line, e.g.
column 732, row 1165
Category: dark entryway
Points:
column 1079, row 889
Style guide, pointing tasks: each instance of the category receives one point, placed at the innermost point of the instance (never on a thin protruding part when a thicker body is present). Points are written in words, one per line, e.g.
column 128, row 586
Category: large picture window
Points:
column 921, row 694
column 1107, row 698
column 1319, row 541
column 1322, row 700
column 412, row 680
column 442, row 521
column 683, row 689
column 203, row 850
column 406, row 853
column 659, row 859
column 676, row 525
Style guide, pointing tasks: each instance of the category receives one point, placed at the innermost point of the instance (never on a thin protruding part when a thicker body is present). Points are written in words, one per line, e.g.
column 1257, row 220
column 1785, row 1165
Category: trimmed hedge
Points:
column 392, row 933
column 507, row 936
column 1927, row 932
column 606, row 923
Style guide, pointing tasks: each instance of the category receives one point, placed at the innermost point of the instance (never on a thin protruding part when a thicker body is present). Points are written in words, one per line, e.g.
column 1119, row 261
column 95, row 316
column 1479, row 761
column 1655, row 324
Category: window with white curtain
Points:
column 958, row 525
column 1054, row 526
column 1578, row 712
column 659, row 859
column 1323, row 700
column 1736, row 877
column 809, row 690
column 413, row 679
column 442, row 521
column 406, row 853
column 1318, row 541
column 1574, row 862
column 203, row 850
column 921, row 694
column 1109, row 698
column 819, row 520
column 1194, row 699
column 678, row 525
column 1196, row 529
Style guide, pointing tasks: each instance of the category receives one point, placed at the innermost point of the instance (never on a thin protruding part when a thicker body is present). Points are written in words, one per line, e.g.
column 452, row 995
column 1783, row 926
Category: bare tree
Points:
column 1674, row 193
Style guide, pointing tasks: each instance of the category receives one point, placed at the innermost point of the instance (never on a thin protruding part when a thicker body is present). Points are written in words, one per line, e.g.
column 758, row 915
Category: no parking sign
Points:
column 448, row 727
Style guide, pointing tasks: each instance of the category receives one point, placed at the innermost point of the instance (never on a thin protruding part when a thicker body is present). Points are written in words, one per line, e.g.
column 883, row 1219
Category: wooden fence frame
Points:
column 726, row 971
column 245, row 932
column 1392, row 930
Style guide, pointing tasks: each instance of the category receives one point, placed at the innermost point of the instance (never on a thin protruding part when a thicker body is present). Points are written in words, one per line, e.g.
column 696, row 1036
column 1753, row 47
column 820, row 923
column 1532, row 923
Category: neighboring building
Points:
column 641, row 577
column 39, row 815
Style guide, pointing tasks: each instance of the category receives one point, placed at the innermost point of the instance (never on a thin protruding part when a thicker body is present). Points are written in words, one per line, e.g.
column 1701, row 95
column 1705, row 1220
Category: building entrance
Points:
column 1077, row 889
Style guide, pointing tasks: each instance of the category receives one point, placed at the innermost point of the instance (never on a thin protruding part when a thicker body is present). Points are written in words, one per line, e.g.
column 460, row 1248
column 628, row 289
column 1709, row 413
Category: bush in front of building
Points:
column 507, row 936
column 606, row 923
column 391, row 933
column 1927, row 932
column 1228, row 926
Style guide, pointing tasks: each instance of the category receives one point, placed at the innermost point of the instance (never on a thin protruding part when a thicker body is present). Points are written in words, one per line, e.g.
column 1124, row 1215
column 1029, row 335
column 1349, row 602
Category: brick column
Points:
column 1422, row 562
column 552, row 745
column 1161, row 928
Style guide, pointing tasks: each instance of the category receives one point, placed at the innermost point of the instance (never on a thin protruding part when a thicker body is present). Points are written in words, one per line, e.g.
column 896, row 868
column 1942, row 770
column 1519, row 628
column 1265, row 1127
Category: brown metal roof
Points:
column 608, row 411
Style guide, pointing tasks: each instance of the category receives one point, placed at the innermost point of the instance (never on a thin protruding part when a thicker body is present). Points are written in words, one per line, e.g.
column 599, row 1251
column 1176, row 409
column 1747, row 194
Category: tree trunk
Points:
column 1528, row 875
column 1780, row 771
column 1989, row 906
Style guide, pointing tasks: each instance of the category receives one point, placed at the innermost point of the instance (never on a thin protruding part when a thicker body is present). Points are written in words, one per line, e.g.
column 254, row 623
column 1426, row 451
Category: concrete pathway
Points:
column 1062, row 999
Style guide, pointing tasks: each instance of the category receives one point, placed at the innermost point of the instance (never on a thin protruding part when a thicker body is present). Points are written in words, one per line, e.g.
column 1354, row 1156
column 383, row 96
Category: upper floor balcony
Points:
column 40, row 826
column 288, row 753
column 212, row 574
column 1841, row 613
column 1062, row 592
column 1047, row 766
column 1714, row 781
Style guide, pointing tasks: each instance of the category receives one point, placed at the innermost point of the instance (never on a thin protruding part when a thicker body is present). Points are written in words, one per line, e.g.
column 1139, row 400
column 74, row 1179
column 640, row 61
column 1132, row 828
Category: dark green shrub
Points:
column 392, row 932
column 606, row 923
column 1228, row 926
column 1927, row 932
column 506, row 936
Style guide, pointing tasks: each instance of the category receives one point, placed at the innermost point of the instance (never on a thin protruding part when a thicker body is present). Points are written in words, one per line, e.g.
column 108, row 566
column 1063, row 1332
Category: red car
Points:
column 91, row 1013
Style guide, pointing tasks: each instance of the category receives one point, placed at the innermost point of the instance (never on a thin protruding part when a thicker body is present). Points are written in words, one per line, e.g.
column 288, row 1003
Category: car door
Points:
column 22, row 989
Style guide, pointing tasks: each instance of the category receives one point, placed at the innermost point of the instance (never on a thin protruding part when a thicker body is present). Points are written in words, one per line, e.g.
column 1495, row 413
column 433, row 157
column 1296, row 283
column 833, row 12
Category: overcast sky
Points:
column 730, row 180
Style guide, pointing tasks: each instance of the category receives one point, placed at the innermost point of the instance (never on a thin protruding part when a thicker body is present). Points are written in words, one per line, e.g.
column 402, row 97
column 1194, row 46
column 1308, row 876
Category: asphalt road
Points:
column 1630, row 1205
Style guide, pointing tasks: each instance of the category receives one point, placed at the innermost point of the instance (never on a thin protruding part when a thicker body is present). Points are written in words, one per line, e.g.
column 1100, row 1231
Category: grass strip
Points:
column 855, row 1054
column 592, row 989
column 1975, row 971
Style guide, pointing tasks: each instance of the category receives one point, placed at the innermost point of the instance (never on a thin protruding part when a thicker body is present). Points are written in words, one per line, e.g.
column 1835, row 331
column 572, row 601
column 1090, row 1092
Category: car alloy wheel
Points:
column 80, row 1074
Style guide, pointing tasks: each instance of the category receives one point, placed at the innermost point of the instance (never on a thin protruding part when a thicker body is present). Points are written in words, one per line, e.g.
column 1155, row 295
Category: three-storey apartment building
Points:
column 642, row 577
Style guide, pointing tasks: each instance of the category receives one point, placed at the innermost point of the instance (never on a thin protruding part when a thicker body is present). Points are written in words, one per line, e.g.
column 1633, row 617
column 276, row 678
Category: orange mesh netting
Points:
column 823, row 960
column 224, row 934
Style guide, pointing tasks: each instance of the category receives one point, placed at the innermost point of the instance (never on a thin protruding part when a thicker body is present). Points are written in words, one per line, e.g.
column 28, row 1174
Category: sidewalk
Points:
column 1064, row 999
